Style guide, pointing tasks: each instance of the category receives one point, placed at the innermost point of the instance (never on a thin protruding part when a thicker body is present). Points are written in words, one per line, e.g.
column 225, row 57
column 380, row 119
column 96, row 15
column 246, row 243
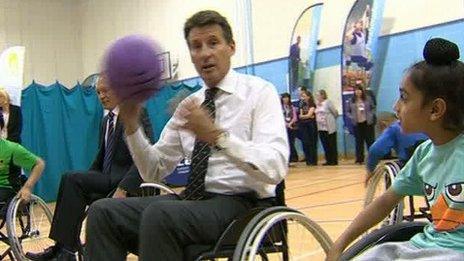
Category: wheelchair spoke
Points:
column 287, row 236
column 27, row 226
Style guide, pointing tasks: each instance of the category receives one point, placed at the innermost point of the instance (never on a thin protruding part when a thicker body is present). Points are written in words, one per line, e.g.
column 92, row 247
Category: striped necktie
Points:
column 109, row 144
column 195, row 189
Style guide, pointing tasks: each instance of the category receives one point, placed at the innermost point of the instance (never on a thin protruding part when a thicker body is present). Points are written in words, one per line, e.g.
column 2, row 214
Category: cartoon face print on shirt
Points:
column 448, row 205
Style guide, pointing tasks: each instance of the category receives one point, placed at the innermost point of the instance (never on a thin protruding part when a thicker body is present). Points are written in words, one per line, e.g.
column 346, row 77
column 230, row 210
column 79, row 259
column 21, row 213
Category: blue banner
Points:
column 360, row 36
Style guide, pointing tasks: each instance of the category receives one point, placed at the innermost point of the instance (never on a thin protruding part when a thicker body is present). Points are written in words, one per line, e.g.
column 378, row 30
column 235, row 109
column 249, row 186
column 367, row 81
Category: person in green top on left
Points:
column 11, row 154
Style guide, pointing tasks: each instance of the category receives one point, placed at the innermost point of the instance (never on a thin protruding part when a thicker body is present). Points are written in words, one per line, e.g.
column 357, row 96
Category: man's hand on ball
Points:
column 129, row 112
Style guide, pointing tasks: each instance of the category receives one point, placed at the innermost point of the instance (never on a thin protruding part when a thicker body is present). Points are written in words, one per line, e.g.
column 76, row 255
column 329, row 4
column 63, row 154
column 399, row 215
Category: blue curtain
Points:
column 62, row 126
column 161, row 106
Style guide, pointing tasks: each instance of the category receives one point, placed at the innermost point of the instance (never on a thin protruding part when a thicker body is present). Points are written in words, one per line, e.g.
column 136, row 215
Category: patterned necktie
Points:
column 201, row 151
column 109, row 144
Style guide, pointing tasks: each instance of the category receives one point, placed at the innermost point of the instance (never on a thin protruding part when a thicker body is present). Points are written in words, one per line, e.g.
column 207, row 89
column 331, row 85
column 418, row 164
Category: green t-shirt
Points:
column 438, row 173
column 13, row 153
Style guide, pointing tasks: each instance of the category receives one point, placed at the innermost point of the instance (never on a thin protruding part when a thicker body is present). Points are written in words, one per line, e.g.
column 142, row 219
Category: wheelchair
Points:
column 27, row 225
column 381, row 180
column 392, row 233
column 277, row 232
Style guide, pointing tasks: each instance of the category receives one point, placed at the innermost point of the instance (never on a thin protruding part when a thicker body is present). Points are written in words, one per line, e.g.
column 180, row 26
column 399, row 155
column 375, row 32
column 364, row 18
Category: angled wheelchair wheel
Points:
column 282, row 233
column 28, row 224
column 379, row 183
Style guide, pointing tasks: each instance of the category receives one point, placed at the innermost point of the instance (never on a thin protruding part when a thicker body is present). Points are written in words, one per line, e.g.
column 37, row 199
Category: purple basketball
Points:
column 133, row 68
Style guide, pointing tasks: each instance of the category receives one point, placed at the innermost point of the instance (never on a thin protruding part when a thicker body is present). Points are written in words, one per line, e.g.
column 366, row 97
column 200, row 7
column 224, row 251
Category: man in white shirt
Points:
column 236, row 141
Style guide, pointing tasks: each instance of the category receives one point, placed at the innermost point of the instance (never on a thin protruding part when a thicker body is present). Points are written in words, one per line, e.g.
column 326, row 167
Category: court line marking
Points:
column 324, row 190
column 331, row 203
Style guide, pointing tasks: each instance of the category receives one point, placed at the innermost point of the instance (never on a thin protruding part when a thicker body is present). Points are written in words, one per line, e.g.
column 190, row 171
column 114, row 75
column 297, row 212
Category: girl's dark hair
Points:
column 441, row 75
column 311, row 98
column 285, row 95
column 208, row 17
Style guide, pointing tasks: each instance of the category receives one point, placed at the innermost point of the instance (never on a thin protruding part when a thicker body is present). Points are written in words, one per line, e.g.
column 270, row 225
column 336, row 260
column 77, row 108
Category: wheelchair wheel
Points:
column 28, row 224
column 379, row 183
column 282, row 234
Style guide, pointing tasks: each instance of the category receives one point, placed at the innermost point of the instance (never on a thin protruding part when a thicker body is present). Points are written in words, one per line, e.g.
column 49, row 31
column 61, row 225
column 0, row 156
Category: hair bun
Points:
column 439, row 51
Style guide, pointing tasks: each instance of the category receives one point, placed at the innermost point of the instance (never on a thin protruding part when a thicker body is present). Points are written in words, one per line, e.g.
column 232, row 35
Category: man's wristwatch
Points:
column 221, row 140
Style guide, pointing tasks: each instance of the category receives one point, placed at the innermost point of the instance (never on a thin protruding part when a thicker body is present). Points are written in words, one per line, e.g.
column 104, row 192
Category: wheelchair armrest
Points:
column 394, row 233
column 158, row 186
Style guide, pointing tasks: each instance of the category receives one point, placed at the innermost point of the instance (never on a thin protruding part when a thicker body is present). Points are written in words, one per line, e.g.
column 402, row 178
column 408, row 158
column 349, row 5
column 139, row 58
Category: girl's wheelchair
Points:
column 27, row 225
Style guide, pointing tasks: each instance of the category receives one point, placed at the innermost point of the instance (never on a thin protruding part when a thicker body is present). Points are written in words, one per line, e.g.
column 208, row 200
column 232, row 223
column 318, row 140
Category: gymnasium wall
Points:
column 50, row 31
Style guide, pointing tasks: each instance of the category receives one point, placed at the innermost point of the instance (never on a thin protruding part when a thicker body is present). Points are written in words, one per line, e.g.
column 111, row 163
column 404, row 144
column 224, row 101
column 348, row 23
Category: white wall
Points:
column 399, row 16
column 103, row 21
column 273, row 22
column 50, row 31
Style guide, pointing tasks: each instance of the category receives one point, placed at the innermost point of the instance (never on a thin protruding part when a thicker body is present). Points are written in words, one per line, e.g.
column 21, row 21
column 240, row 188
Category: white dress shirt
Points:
column 255, row 157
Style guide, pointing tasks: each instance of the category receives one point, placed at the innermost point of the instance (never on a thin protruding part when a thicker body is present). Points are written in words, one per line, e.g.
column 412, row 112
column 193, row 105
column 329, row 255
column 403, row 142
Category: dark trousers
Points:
column 293, row 74
column 6, row 194
column 77, row 190
column 308, row 134
column 157, row 228
column 363, row 133
column 329, row 143
column 291, row 134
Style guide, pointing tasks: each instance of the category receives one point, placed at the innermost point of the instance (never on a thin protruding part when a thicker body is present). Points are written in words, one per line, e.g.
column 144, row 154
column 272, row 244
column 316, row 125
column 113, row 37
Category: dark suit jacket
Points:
column 124, row 174
column 15, row 122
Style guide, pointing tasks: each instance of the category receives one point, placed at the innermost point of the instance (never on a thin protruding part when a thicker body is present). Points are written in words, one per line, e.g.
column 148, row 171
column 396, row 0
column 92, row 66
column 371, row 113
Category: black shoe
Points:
column 47, row 254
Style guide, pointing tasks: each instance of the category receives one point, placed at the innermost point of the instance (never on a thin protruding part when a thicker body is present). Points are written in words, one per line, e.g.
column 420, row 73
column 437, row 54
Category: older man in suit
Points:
column 112, row 170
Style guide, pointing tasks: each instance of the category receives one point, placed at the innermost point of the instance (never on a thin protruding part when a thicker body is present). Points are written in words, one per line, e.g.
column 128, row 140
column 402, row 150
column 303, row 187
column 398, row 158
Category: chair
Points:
column 27, row 225
column 261, row 231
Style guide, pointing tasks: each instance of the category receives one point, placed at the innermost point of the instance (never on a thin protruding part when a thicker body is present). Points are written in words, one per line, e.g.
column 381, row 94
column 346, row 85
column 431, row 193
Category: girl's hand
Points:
column 25, row 193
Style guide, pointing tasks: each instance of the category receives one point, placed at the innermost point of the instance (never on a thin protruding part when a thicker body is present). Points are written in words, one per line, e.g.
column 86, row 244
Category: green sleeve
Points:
column 408, row 180
column 23, row 158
